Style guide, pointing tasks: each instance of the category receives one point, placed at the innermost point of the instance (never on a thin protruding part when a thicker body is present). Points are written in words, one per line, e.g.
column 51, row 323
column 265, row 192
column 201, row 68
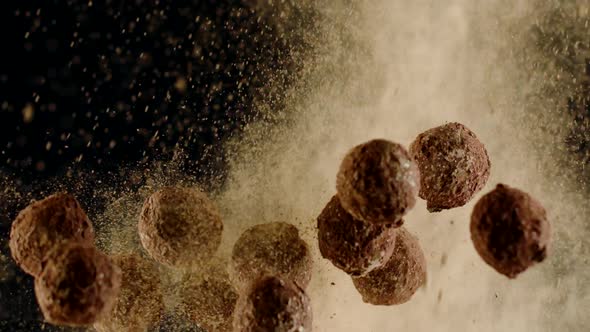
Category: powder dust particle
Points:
column 352, row 245
column 399, row 278
column 273, row 304
column 271, row 248
column 378, row 182
column 180, row 226
column 45, row 223
column 454, row 165
column 140, row 303
column 78, row 285
column 510, row 230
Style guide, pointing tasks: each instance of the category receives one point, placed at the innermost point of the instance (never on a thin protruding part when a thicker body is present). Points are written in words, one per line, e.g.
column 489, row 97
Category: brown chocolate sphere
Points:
column 509, row 230
column 454, row 165
column 180, row 227
column 352, row 245
column 272, row 304
column 378, row 182
column 209, row 299
column 78, row 285
column 273, row 249
column 140, row 303
column 399, row 278
column 43, row 224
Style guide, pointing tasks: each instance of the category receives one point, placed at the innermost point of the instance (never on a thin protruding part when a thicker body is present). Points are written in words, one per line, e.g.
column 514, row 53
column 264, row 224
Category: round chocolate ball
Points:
column 78, row 285
column 209, row 299
column 509, row 230
column 454, row 166
column 354, row 246
column 273, row 249
column 140, row 303
column 45, row 223
column 399, row 278
column 273, row 304
column 378, row 182
column 180, row 227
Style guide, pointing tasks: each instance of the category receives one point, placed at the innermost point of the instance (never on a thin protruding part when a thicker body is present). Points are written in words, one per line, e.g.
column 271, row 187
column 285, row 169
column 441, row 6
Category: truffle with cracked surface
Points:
column 454, row 165
column 180, row 226
column 510, row 230
column 140, row 304
column 398, row 280
column 273, row 304
column 271, row 249
column 378, row 182
column 209, row 298
column 45, row 223
column 78, row 285
column 352, row 245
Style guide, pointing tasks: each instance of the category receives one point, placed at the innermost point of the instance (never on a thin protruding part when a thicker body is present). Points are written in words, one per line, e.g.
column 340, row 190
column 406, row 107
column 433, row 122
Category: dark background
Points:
column 92, row 89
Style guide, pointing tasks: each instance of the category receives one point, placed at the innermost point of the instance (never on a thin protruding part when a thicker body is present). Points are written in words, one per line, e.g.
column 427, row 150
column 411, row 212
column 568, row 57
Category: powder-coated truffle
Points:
column 354, row 246
column 399, row 278
column 274, row 249
column 78, row 285
column 378, row 182
column 454, row 165
column 209, row 299
column 43, row 224
column 180, row 227
column 271, row 304
column 140, row 304
column 510, row 230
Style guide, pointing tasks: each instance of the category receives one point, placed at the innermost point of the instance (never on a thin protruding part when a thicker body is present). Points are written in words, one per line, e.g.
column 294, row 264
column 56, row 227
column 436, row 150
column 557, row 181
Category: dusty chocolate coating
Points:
column 140, row 303
column 43, row 224
column 78, row 285
column 180, row 227
column 399, row 278
column 454, row 165
column 510, row 230
column 273, row 249
column 378, row 182
column 272, row 304
column 354, row 246
column 209, row 299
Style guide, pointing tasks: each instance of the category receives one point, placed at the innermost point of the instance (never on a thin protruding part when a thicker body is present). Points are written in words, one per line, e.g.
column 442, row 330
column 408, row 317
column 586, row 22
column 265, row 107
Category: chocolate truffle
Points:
column 140, row 302
column 399, row 278
column 273, row 304
column 78, row 285
column 43, row 224
column 180, row 227
column 354, row 246
column 378, row 182
column 509, row 230
column 454, row 166
column 274, row 249
column 209, row 299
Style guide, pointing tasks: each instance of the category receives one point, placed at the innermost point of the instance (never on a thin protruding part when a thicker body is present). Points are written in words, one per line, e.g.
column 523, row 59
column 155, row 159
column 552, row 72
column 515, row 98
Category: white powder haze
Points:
column 403, row 67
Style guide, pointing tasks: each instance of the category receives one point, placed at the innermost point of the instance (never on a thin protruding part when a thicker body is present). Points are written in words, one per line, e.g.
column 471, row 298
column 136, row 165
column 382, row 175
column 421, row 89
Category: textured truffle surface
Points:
column 454, row 165
column 42, row 225
column 209, row 299
column 180, row 227
column 140, row 302
column 273, row 249
column 399, row 278
column 271, row 304
column 78, row 285
column 510, row 230
column 354, row 246
column 378, row 182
